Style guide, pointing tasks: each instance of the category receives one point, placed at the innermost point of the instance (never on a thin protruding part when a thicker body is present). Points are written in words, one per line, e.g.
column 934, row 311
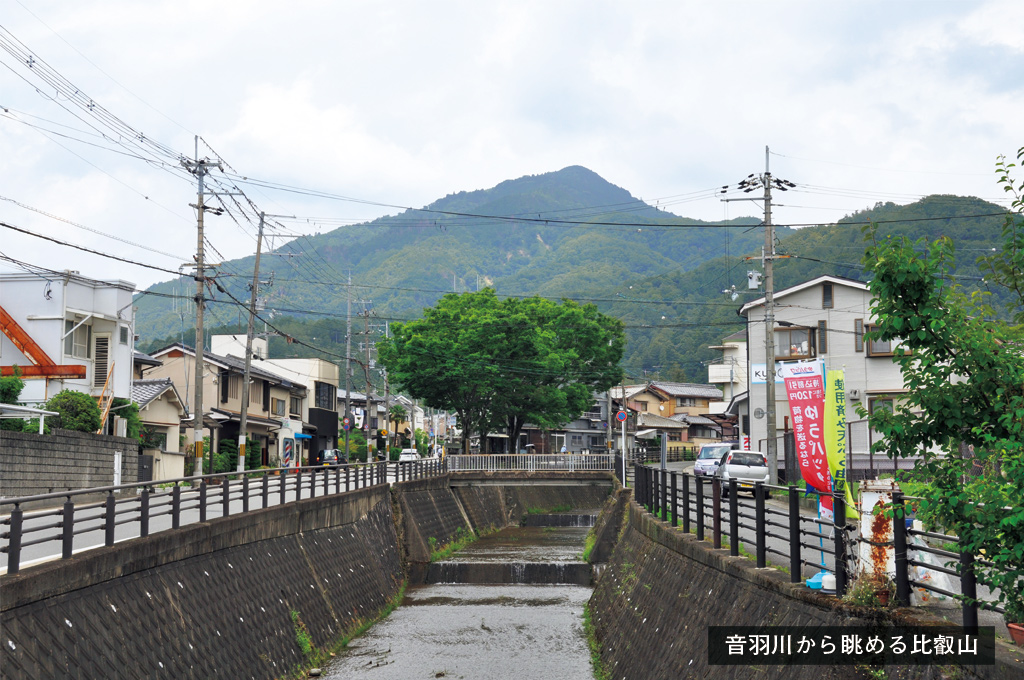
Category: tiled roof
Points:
column 738, row 336
column 145, row 359
column 689, row 390
column 145, row 391
column 653, row 420
column 235, row 363
column 688, row 419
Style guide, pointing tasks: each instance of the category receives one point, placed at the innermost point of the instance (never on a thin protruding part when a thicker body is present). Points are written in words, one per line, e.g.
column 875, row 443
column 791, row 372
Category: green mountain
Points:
column 702, row 314
column 548, row 242
column 567, row 233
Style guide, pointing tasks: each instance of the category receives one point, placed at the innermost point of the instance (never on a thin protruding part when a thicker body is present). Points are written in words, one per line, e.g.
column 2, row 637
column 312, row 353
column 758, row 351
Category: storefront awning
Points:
column 303, row 436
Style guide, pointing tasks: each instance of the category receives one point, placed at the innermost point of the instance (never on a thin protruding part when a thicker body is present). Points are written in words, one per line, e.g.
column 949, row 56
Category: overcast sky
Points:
column 404, row 102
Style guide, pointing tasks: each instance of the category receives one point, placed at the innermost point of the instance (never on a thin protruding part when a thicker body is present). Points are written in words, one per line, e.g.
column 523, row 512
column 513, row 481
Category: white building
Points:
column 67, row 332
column 730, row 372
column 824, row 318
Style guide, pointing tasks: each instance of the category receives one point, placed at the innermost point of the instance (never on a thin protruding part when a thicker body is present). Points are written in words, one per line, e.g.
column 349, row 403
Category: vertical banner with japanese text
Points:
column 835, row 435
column 805, row 391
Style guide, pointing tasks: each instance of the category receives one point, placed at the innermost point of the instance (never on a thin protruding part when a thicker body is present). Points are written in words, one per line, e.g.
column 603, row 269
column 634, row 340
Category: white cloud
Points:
column 405, row 102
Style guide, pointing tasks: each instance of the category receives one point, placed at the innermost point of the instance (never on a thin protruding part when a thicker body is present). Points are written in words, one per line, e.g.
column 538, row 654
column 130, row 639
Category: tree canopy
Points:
column 505, row 362
column 963, row 367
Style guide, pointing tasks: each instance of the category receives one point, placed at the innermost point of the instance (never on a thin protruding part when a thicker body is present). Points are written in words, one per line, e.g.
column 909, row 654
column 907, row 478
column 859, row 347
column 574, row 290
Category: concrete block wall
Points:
column 662, row 588
column 32, row 464
column 208, row 600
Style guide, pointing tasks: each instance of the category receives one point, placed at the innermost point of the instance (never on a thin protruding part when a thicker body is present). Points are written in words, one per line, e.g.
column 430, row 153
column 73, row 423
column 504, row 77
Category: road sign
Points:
column 620, row 416
column 346, row 423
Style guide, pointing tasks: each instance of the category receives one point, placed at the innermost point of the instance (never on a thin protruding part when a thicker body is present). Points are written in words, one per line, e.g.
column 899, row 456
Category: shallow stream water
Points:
column 483, row 632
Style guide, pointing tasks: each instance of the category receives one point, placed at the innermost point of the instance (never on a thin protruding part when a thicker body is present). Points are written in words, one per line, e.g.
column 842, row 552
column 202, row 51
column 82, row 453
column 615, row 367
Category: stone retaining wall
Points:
column 661, row 590
column 32, row 464
column 207, row 600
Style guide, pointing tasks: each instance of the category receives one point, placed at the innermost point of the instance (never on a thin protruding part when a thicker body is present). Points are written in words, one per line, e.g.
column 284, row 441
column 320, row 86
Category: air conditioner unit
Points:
column 854, row 395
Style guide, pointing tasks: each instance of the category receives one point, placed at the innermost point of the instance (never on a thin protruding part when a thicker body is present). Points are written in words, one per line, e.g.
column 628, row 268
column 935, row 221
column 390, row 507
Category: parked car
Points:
column 708, row 458
column 331, row 457
column 746, row 467
column 408, row 456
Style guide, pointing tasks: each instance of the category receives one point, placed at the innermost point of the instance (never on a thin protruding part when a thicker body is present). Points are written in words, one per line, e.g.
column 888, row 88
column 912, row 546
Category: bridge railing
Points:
column 519, row 462
column 144, row 508
column 704, row 505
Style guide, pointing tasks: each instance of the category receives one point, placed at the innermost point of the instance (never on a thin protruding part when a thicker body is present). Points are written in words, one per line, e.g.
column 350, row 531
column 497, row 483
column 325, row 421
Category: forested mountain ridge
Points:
column 665, row 282
column 544, row 243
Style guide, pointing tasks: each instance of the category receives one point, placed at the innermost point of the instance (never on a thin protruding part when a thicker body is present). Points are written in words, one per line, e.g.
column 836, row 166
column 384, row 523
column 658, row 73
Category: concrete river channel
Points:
column 509, row 605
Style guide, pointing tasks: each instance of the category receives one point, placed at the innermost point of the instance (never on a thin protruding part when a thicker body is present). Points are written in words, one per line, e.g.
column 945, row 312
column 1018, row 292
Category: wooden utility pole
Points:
column 199, row 168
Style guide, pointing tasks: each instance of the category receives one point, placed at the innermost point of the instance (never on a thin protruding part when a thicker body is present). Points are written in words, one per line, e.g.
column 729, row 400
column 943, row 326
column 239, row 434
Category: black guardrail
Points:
column 254, row 489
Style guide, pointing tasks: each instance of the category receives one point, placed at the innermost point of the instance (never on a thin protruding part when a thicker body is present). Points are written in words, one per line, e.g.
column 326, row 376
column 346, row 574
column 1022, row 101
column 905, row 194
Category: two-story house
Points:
column 684, row 405
column 824, row 318
column 274, row 413
column 67, row 332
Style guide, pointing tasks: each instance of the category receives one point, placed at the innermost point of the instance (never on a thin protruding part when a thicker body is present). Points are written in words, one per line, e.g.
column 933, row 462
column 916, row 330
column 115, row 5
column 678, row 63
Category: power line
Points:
column 89, row 250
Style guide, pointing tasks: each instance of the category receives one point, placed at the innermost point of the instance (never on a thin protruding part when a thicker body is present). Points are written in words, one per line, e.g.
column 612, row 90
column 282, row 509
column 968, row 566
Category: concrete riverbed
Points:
column 514, row 629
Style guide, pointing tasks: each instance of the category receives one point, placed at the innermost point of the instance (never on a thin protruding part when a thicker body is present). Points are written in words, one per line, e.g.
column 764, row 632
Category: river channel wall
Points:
column 207, row 600
column 502, row 499
column 217, row 599
column 662, row 588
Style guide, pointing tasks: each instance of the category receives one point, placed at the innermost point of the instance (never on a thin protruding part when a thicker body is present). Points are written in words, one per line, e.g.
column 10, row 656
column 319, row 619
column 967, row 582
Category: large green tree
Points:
column 503, row 362
column 963, row 367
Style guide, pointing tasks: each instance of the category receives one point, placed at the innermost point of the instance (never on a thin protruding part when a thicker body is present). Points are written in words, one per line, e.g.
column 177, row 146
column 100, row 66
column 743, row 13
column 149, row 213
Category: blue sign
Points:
column 620, row 416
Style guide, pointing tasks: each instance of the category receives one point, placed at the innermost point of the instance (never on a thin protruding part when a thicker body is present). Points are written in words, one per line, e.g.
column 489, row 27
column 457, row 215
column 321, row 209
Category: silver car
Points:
column 746, row 467
column 708, row 458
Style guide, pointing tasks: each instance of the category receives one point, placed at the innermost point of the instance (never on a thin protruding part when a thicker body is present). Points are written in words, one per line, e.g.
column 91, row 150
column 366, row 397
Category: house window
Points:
column 881, row 403
column 858, row 335
column 675, row 436
column 124, row 335
column 826, row 296
column 234, row 386
column 256, row 392
column 597, row 442
column 878, row 348
column 793, row 343
column 325, row 396
column 642, row 405
column 686, row 401
column 296, row 405
column 278, row 406
column 822, row 337
column 77, row 343
column 704, row 433
column 576, row 439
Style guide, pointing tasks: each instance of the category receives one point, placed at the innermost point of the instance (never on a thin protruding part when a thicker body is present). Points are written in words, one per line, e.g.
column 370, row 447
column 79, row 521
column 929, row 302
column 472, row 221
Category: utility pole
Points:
column 769, row 325
column 387, row 404
column 767, row 182
column 243, row 418
column 348, row 360
column 366, row 340
column 199, row 168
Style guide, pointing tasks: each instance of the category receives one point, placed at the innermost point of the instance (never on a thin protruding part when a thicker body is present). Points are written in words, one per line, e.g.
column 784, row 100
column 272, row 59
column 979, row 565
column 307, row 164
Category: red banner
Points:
column 805, row 390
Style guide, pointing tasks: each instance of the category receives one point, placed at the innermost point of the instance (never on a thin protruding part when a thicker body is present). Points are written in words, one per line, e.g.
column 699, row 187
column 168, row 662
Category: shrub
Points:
column 78, row 411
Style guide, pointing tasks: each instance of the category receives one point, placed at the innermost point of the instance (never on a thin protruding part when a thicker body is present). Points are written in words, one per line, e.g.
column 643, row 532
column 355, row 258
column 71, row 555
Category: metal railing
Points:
column 680, row 497
column 674, row 454
column 558, row 462
column 168, row 504
column 697, row 504
column 959, row 564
